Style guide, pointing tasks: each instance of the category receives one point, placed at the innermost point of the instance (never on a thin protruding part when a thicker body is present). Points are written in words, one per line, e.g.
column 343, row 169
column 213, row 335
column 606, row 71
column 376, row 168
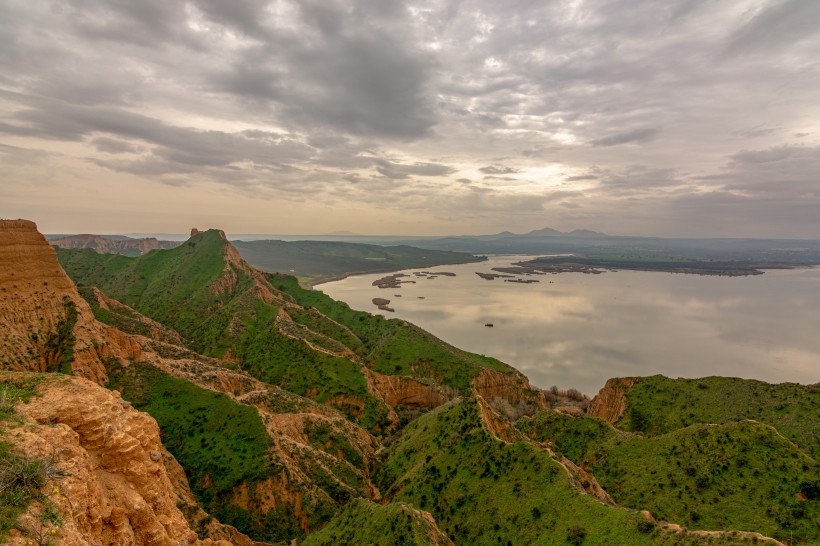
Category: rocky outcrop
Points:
column 513, row 387
column 499, row 427
column 610, row 402
column 44, row 323
column 397, row 391
column 234, row 263
column 109, row 483
column 113, row 246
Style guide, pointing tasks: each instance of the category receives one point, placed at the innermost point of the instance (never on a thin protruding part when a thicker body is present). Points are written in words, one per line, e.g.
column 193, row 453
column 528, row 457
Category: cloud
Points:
column 581, row 177
column 114, row 146
column 389, row 105
column 635, row 136
column 354, row 68
column 397, row 171
column 775, row 27
column 498, row 169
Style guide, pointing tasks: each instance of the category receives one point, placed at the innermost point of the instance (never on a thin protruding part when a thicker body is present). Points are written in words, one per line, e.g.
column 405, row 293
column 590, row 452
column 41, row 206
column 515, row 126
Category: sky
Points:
column 631, row 117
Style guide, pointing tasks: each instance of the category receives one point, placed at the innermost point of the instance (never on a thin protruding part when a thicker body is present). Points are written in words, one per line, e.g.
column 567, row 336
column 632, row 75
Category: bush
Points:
column 576, row 535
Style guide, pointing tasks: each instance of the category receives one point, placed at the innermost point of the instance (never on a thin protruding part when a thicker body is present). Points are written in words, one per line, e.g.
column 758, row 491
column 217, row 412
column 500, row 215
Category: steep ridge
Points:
column 482, row 489
column 734, row 476
column 307, row 469
column 657, row 405
column 364, row 522
column 267, row 325
column 46, row 326
column 610, row 402
column 128, row 247
column 107, row 482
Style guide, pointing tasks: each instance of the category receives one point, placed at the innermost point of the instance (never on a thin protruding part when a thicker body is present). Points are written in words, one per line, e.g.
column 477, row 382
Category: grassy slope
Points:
column 21, row 477
column 483, row 491
column 363, row 522
column 221, row 444
column 658, row 404
column 396, row 347
column 741, row 476
column 316, row 260
column 172, row 287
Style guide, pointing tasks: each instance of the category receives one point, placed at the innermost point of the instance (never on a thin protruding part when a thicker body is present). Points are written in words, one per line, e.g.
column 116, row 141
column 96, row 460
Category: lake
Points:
column 577, row 330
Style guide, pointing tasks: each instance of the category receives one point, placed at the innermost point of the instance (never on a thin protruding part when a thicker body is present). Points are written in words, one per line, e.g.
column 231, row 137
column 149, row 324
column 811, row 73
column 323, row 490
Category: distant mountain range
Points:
column 318, row 257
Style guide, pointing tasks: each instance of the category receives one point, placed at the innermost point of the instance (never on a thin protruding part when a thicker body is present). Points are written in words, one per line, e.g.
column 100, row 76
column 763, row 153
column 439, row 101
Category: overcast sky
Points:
column 670, row 118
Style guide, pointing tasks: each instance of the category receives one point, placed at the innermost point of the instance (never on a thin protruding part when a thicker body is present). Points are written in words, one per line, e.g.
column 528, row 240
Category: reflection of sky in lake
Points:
column 583, row 329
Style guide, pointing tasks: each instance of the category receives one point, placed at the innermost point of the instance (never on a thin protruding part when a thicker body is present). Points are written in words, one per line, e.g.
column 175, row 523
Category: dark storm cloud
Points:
column 791, row 172
column 171, row 149
column 143, row 22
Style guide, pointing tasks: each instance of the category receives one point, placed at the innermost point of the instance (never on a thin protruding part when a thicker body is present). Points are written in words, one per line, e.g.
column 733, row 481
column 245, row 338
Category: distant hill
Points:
column 594, row 245
column 314, row 261
column 549, row 232
column 113, row 244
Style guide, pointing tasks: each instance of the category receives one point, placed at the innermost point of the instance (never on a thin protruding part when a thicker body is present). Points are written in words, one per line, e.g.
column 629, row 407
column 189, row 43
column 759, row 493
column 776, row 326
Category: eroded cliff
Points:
column 46, row 326
column 108, row 482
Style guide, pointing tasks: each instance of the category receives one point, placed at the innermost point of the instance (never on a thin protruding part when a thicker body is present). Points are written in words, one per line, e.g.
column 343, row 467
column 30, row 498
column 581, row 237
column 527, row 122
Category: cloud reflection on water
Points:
column 583, row 329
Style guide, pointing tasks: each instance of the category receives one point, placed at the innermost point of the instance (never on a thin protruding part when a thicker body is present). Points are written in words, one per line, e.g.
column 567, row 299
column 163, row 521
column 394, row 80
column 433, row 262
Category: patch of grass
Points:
column 484, row 491
column 14, row 388
column 657, row 404
column 58, row 347
column 364, row 522
column 576, row 437
column 221, row 444
column 734, row 476
column 21, row 477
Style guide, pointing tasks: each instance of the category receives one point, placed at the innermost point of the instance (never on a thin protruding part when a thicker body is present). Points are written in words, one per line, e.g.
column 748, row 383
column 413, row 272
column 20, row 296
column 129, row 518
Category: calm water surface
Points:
column 578, row 330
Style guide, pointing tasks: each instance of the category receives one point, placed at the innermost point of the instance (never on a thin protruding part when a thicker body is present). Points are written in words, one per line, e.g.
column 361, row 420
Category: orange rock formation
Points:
column 112, row 484
column 39, row 303
column 610, row 402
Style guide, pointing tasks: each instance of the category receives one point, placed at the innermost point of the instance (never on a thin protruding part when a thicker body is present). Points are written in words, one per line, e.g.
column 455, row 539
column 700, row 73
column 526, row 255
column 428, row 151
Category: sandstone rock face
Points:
column 513, row 387
column 403, row 391
column 610, row 402
column 111, row 246
column 43, row 320
column 114, row 488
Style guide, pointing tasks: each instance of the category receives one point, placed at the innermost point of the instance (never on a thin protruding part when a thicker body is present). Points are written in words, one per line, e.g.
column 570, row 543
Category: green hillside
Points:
column 314, row 261
column 484, row 491
column 363, row 522
column 657, row 404
column 665, row 458
column 174, row 287
column 735, row 476
column 394, row 346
